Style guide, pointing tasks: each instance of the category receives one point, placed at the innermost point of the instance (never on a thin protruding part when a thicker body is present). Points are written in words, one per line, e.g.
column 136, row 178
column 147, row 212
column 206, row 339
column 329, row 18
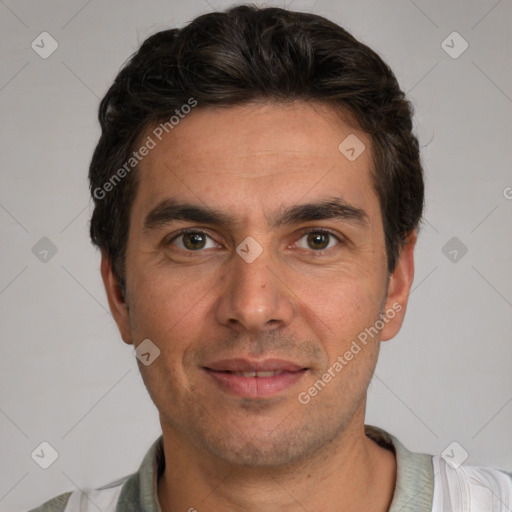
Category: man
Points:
column 257, row 192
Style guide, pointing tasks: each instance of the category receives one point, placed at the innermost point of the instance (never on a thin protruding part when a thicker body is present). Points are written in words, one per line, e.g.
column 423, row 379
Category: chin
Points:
column 265, row 449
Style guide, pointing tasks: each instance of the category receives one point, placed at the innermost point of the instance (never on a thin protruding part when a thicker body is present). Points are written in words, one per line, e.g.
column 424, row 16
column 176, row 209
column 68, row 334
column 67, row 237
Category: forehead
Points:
column 255, row 158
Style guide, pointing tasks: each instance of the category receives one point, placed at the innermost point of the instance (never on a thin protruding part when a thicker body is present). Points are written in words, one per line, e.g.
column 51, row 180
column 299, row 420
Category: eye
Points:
column 192, row 241
column 318, row 240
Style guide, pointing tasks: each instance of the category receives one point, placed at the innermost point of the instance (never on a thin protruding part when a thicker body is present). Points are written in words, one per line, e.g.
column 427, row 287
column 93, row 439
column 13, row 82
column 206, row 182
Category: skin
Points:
column 293, row 302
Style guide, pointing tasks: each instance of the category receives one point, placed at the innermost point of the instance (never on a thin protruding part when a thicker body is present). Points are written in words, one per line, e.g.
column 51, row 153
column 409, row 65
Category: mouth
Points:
column 255, row 379
column 259, row 374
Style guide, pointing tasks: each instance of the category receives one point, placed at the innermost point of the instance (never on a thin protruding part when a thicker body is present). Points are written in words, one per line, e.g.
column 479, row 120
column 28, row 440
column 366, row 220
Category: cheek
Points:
column 172, row 320
column 350, row 317
column 344, row 301
column 351, row 343
column 166, row 309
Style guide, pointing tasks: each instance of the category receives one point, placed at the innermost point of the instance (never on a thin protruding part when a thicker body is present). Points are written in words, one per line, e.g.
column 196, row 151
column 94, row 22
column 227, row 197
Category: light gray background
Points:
column 68, row 379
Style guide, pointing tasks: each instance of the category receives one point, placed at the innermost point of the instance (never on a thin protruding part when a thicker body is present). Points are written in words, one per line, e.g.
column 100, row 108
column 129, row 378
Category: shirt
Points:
column 424, row 483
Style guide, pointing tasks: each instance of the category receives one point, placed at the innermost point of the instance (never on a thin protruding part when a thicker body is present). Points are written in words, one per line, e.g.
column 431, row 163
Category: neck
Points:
column 350, row 473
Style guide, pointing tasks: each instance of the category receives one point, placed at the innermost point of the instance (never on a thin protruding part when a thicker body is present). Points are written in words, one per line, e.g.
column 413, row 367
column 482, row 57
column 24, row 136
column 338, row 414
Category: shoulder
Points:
column 86, row 500
column 122, row 494
column 57, row 504
column 477, row 487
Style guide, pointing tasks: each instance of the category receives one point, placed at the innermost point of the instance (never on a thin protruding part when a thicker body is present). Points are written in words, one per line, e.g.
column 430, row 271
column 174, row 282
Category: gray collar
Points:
column 415, row 476
column 413, row 490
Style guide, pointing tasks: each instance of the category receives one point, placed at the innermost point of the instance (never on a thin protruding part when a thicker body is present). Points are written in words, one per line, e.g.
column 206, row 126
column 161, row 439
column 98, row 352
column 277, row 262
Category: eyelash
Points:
column 187, row 231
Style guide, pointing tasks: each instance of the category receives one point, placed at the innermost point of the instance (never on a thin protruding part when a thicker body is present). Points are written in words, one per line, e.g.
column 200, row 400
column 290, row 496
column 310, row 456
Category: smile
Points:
column 250, row 379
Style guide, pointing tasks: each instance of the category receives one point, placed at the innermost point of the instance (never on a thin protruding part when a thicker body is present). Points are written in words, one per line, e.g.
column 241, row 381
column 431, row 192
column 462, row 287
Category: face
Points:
column 255, row 260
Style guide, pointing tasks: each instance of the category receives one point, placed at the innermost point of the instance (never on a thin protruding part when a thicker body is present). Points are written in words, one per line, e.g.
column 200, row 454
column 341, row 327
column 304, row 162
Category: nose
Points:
column 254, row 296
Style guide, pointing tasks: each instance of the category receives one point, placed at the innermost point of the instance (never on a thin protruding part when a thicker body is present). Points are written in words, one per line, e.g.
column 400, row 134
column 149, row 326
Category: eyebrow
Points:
column 334, row 208
column 170, row 210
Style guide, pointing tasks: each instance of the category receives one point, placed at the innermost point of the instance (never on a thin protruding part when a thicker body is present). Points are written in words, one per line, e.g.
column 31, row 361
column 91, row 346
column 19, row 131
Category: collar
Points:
column 413, row 489
column 414, row 486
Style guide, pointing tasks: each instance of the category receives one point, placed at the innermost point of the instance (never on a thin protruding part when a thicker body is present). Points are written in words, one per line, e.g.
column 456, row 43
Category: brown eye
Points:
column 193, row 241
column 318, row 240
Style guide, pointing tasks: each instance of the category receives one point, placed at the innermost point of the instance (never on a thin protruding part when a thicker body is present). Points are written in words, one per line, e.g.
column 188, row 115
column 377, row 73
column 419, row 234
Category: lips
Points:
column 245, row 365
column 254, row 379
column 260, row 374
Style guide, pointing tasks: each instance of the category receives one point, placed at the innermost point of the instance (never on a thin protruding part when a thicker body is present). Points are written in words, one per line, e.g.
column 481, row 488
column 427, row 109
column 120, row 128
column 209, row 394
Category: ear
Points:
column 400, row 283
column 116, row 301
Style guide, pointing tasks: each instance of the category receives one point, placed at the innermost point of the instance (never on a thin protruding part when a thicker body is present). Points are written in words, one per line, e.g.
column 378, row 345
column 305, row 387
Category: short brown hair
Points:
column 243, row 55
